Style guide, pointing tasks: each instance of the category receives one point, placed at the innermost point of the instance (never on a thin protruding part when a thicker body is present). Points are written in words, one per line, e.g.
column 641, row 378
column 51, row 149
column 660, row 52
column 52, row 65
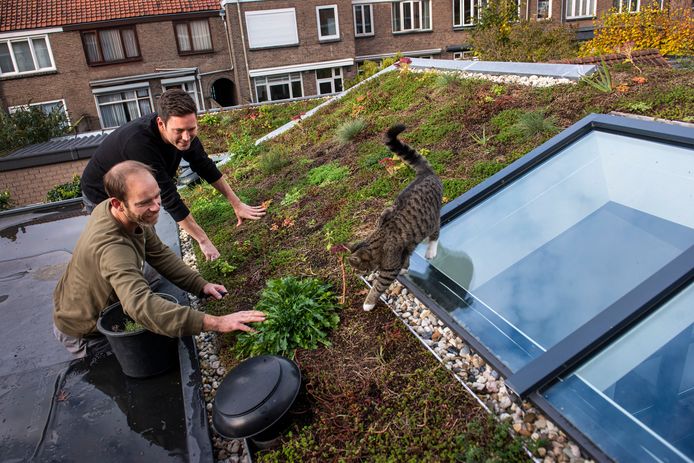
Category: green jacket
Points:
column 107, row 266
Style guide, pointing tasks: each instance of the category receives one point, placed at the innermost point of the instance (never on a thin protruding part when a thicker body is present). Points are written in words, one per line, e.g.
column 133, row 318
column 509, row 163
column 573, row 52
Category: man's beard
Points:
column 146, row 219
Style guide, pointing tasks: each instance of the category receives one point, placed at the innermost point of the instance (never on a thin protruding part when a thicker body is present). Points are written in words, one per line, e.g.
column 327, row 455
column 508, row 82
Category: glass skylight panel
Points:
column 543, row 256
column 635, row 399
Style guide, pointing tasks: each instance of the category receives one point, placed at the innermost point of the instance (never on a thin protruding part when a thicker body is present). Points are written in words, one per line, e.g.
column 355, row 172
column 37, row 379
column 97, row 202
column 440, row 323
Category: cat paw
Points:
column 403, row 271
column 431, row 250
column 368, row 307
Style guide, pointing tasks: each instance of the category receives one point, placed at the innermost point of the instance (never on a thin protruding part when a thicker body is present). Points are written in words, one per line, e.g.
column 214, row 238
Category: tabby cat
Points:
column 413, row 217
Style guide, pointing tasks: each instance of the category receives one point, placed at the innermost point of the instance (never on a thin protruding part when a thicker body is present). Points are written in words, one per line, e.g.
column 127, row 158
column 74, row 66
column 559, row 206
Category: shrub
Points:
column 529, row 41
column 327, row 173
column 347, row 131
column 30, row 125
column 299, row 315
column 5, row 201
column 669, row 31
column 63, row 191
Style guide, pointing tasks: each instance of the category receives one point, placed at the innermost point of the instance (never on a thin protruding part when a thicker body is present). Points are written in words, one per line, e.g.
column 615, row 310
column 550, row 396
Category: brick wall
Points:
column 30, row 185
column 384, row 40
column 71, row 80
column 309, row 50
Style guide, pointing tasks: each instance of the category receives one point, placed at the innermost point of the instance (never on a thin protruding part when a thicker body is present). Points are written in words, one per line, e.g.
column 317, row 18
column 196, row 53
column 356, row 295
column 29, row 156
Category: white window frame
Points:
column 549, row 11
column 363, row 23
column 29, row 39
column 336, row 73
column 287, row 79
column 255, row 20
column 577, row 9
column 419, row 4
column 334, row 36
column 476, row 8
column 187, row 84
column 12, row 109
column 118, row 89
column 467, row 55
column 628, row 3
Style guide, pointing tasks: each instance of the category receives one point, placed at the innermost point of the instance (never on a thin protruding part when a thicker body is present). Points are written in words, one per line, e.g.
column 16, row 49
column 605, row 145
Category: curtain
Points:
column 43, row 58
column 183, row 38
column 111, row 45
column 22, row 54
column 200, row 31
column 130, row 43
column 93, row 54
column 5, row 58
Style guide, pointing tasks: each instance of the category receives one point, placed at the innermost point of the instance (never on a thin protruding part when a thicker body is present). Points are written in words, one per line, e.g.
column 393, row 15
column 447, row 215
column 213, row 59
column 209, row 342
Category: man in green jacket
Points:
column 107, row 266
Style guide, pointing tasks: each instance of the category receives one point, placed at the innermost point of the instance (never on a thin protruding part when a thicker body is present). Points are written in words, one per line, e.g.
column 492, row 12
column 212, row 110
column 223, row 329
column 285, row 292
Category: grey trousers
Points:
column 81, row 347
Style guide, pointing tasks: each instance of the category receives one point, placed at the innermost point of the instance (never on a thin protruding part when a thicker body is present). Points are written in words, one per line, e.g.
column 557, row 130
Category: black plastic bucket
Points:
column 140, row 353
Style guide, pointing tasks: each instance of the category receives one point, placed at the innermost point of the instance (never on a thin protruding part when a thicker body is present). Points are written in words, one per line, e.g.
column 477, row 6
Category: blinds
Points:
column 272, row 28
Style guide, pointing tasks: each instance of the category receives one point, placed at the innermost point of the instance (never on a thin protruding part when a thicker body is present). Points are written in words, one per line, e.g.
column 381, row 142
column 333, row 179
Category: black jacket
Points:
column 140, row 140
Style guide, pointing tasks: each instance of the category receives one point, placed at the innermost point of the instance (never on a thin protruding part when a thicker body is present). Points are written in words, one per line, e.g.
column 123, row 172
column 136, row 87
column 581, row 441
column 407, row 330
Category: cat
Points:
column 401, row 227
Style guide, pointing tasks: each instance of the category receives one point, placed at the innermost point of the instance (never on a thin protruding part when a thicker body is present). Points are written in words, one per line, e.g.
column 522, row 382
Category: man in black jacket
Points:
column 161, row 140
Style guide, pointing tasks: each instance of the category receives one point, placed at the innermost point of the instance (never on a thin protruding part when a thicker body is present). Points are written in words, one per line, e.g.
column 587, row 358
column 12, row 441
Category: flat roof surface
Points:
column 54, row 408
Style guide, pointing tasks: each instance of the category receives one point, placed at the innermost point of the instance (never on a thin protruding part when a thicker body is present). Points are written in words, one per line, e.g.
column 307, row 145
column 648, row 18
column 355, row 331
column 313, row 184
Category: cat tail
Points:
column 406, row 152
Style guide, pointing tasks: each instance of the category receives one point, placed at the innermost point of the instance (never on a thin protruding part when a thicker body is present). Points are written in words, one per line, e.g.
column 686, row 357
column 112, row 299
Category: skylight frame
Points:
column 605, row 326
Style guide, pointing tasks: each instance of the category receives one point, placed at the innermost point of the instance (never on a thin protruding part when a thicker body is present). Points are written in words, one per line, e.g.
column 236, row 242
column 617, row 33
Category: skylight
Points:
column 566, row 249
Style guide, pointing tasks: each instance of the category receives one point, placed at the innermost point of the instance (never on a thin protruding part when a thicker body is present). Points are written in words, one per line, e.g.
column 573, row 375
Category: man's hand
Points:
column 232, row 322
column 244, row 211
column 214, row 290
column 208, row 249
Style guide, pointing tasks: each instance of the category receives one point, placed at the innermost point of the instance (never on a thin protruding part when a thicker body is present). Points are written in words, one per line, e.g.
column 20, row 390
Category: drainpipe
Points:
column 527, row 10
column 245, row 54
column 232, row 57
column 202, row 94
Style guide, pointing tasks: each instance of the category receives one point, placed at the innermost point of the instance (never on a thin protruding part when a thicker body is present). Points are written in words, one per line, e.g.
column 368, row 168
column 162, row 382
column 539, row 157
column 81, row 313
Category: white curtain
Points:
column 130, row 43
column 111, row 45
column 22, row 54
column 90, row 43
column 43, row 58
column 183, row 38
column 200, row 32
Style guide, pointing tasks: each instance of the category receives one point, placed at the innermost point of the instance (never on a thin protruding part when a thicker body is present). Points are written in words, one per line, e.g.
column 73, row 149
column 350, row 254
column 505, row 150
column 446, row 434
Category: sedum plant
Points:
column 299, row 314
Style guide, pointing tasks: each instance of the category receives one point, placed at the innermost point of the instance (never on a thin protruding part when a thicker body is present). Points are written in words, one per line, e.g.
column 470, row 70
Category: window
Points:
column 581, row 254
column 464, row 55
column 328, row 27
column 111, row 45
column 362, row 20
column 466, row 12
column 282, row 87
column 580, row 8
column 628, row 6
column 46, row 106
column 544, row 9
column 329, row 80
column 637, row 388
column 193, row 37
column 272, row 28
column 187, row 84
column 118, row 107
column 25, row 55
column 412, row 16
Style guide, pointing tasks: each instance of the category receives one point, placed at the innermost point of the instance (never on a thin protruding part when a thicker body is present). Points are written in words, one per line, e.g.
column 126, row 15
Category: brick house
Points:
column 107, row 62
column 286, row 49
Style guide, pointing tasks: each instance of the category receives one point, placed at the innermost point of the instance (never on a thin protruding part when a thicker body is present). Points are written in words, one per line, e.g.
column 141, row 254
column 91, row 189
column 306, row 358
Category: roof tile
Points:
column 16, row 15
